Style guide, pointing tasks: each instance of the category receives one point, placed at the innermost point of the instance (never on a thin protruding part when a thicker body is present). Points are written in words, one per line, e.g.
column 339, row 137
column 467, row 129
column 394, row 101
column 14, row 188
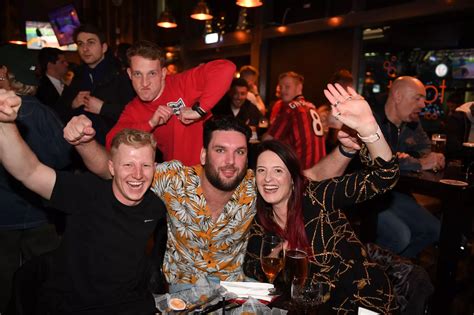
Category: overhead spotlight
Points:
column 249, row 3
column 166, row 20
column 201, row 12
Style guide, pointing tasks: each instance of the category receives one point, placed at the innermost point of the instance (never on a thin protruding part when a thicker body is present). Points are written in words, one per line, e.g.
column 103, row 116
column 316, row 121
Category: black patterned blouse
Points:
column 339, row 260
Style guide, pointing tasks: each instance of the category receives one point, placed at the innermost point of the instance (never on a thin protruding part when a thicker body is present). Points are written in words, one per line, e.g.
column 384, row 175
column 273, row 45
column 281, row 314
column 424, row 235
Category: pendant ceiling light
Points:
column 201, row 12
column 249, row 3
column 166, row 20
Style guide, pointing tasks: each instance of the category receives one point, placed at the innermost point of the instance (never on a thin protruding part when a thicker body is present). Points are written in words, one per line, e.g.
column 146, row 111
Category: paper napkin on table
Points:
column 256, row 290
column 364, row 311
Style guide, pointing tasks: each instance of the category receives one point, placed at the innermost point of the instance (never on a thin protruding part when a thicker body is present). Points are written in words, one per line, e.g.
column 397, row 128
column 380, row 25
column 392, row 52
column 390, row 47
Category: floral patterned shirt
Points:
column 198, row 247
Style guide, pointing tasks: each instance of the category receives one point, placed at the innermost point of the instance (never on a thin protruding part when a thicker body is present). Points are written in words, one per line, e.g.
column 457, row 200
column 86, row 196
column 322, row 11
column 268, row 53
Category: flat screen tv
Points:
column 41, row 34
column 463, row 64
column 64, row 21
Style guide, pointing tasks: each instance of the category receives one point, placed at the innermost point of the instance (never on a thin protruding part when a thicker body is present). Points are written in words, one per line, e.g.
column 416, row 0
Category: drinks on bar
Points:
column 438, row 143
column 272, row 266
column 272, row 256
column 296, row 264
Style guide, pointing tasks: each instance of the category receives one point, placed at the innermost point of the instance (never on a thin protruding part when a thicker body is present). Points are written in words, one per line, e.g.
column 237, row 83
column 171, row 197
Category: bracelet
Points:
column 198, row 109
column 348, row 155
column 372, row 138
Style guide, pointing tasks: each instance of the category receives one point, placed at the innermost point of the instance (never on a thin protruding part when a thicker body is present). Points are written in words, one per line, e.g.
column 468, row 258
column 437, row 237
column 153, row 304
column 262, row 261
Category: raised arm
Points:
column 335, row 163
column 209, row 82
column 16, row 156
column 79, row 133
column 381, row 172
column 349, row 108
column 212, row 81
column 354, row 112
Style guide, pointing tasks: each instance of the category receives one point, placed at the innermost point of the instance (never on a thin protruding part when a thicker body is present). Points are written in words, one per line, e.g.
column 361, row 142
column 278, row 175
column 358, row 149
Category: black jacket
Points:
column 248, row 114
column 47, row 93
column 109, row 84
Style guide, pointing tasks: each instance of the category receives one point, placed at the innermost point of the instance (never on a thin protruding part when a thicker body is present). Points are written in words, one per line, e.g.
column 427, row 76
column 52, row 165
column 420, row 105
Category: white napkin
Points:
column 364, row 311
column 257, row 290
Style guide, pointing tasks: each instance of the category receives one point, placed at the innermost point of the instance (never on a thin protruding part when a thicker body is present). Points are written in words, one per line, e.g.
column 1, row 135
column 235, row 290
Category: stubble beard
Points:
column 212, row 176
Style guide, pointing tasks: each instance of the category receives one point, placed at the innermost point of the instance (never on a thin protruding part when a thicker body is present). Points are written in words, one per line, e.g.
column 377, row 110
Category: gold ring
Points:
column 348, row 98
column 337, row 103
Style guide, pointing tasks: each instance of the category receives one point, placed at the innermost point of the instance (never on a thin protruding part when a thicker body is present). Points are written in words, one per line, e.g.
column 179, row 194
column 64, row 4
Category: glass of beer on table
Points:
column 438, row 143
column 296, row 264
column 272, row 256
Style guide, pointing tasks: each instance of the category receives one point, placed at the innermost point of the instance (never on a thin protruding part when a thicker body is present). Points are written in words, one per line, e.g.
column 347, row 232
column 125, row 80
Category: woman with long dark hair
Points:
column 306, row 213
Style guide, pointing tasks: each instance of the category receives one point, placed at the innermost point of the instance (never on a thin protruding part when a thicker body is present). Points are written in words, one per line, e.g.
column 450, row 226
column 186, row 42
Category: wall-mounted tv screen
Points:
column 41, row 34
column 463, row 63
column 64, row 21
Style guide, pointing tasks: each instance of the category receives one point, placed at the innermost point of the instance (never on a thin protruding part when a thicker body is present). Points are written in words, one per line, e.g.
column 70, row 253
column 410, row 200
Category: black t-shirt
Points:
column 101, row 260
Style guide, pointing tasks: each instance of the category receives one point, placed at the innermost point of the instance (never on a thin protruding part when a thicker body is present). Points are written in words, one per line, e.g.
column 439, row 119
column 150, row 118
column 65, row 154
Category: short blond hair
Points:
column 295, row 76
column 132, row 137
column 248, row 69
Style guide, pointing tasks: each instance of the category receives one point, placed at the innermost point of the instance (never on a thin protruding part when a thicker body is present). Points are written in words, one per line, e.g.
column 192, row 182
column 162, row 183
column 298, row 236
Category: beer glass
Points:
column 438, row 143
column 296, row 264
column 272, row 256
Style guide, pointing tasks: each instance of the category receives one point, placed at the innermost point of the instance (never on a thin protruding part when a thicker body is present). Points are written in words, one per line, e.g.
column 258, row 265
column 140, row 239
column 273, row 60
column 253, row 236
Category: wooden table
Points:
column 457, row 204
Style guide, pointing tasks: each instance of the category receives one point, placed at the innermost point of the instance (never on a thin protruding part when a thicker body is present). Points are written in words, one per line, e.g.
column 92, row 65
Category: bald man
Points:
column 404, row 226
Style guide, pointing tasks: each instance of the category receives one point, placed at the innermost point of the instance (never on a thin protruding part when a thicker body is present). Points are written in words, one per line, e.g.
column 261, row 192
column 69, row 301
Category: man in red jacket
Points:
column 172, row 107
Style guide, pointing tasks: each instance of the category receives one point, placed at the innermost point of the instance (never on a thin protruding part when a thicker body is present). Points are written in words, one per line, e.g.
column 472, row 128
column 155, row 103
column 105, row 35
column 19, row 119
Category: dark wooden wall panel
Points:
column 315, row 56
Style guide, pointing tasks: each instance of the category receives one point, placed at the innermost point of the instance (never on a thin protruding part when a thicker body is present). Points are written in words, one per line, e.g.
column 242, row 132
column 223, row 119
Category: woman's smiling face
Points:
column 273, row 179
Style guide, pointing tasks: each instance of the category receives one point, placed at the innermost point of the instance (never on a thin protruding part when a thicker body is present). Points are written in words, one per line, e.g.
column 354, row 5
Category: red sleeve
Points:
column 210, row 81
column 132, row 117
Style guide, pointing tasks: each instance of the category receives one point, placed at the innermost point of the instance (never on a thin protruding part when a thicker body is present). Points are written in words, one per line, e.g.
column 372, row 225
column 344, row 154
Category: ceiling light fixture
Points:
column 249, row 3
column 201, row 12
column 166, row 20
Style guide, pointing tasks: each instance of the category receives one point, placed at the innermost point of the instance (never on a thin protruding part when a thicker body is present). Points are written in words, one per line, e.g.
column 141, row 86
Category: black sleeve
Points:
column 43, row 131
column 65, row 100
column 252, row 267
column 157, row 279
column 378, row 177
column 340, row 263
column 71, row 192
column 112, row 110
